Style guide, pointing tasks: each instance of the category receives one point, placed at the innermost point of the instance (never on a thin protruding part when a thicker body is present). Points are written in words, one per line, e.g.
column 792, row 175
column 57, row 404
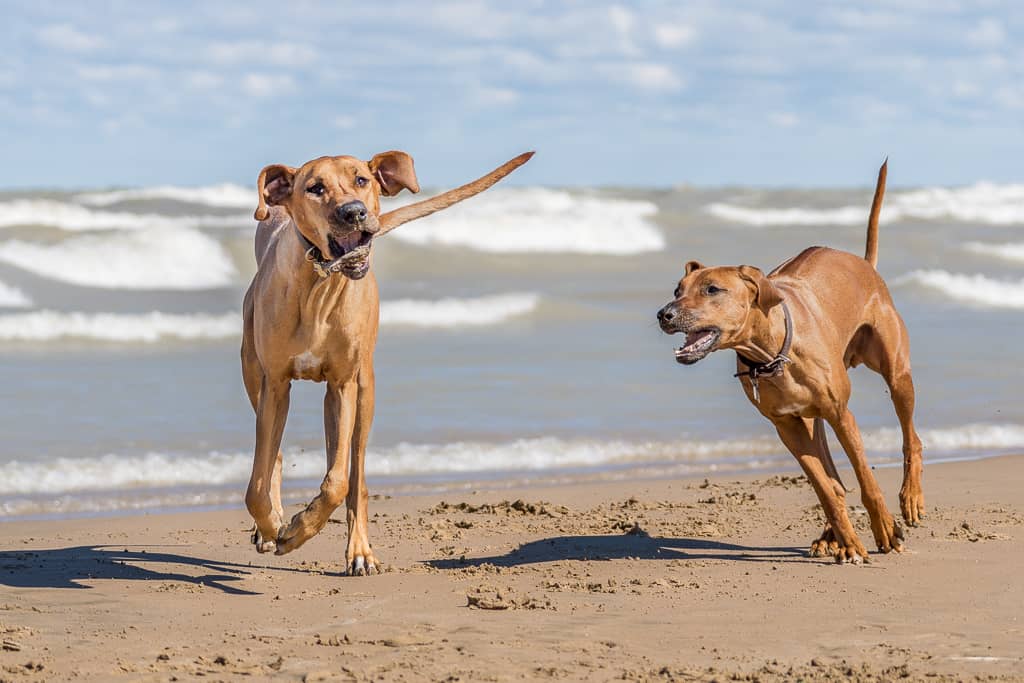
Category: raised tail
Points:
column 871, row 253
column 392, row 219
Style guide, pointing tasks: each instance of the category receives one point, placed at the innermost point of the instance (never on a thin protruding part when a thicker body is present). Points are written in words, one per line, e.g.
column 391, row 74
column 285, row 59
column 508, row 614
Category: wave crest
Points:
column 142, row 259
column 973, row 289
column 223, row 195
column 979, row 203
column 531, row 220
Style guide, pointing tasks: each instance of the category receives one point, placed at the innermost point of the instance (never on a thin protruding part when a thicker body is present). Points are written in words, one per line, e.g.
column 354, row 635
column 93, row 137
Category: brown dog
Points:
column 795, row 333
column 311, row 313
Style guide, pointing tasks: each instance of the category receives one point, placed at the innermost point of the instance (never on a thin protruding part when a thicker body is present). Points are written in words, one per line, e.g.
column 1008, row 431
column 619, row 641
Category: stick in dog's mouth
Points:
column 392, row 219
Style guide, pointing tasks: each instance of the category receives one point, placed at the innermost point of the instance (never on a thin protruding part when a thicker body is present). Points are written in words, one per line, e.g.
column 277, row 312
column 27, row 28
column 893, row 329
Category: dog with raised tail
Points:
column 311, row 313
column 796, row 331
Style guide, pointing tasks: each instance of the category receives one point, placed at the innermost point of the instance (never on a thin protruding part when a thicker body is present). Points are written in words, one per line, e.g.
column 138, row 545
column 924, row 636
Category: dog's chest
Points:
column 780, row 396
column 307, row 365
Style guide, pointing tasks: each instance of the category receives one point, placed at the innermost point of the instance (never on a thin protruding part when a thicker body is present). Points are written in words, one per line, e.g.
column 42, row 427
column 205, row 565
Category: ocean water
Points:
column 518, row 339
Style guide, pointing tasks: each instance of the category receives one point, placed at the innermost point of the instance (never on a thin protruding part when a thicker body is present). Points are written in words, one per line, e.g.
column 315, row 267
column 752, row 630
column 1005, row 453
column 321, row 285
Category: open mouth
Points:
column 699, row 343
column 351, row 253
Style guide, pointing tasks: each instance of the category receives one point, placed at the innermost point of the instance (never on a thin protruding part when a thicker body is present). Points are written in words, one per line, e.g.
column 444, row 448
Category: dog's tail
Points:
column 871, row 253
column 392, row 219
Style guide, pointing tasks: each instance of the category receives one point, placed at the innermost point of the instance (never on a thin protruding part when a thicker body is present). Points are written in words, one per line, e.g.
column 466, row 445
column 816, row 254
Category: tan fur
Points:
column 298, row 325
column 843, row 316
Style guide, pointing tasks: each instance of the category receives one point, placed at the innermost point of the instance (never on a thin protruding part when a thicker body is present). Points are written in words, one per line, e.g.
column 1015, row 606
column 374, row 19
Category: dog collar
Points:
column 772, row 368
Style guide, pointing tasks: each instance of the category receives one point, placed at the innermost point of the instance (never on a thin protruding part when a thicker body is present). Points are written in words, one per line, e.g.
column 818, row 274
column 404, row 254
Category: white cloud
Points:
column 495, row 97
column 987, row 33
column 644, row 75
column 265, row 85
column 203, row 80
column 672, row 36
column 270, row 52
column 784, row 119
column 67, row 37
column 107, row 73
column 622, row 19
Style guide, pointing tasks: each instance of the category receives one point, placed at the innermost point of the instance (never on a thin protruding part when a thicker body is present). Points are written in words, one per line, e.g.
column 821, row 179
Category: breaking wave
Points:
column 117, row 327
column 530, row 220
column 453, row 312
column 149, row 258
column 12, row 297
column 155, row 470
column 972, row 289
column 987, row 203
column 223, row 195
column 74, row 217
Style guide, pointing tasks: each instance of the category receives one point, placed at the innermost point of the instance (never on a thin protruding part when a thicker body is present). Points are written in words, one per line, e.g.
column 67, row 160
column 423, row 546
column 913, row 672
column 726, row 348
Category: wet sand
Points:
column 637, row 580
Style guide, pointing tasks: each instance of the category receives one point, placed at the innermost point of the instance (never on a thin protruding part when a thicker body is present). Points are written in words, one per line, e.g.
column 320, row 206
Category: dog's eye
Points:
column 361, row 181
column 316, row 189
column 676, row 293
column 712, row 289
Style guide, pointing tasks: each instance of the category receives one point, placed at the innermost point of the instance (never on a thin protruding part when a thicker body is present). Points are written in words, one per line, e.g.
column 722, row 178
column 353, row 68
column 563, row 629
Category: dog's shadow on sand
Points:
column 68, row 567
column 630, row 546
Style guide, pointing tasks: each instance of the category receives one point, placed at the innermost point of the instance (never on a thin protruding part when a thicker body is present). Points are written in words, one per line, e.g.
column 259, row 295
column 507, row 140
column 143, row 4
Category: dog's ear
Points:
column 765, row 294
column 692, row 266
column 394, row 172
column 274, row 186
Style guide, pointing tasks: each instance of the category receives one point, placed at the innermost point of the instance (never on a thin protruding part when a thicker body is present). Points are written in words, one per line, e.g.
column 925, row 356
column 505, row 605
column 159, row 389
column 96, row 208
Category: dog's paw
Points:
column 363, row 565
column 262, row 545
column 888, row 534
column 853, row 552
column 912, row 505
column 825, row 545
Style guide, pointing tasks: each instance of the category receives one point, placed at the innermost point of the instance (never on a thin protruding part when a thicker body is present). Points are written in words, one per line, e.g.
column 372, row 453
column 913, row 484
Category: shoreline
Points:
column 227, row 497
column 676, row 579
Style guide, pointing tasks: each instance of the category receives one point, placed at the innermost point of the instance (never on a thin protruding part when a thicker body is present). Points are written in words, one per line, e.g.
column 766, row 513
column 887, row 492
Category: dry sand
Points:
column 639, row 580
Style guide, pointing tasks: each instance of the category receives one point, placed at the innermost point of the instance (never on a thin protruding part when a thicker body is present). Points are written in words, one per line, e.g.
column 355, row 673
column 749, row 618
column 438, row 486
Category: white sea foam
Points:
column 224, row 195
column 530, row 220
column 972, row 289
column 117, row 327
column 154, row 326
column 74, row 217
column 979, row 203
column 1008, row 251
column 110, row 472
column 452, row 312
column 183, row 259
column 12, row 297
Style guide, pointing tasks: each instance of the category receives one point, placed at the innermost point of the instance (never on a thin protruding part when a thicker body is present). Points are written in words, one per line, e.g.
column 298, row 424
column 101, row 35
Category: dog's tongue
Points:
column 694, row 338
column 349, row 241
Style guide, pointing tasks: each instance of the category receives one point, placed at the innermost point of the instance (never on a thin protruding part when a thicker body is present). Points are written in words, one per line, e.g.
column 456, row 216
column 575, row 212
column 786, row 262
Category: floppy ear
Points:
column 274, row 186
column 765, row 294
column 692, row 266
column 394, row 172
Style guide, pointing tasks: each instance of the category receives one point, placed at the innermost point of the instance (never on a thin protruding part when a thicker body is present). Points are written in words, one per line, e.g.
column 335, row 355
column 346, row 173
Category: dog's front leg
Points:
column 339, row 414
column 265, row 480
column 359, row 557
column 888, row 534
column 795, row 435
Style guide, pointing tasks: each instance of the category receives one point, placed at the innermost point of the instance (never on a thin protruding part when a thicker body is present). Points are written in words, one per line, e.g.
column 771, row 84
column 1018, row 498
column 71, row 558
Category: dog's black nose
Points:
column 352, row 213
column 666, row 314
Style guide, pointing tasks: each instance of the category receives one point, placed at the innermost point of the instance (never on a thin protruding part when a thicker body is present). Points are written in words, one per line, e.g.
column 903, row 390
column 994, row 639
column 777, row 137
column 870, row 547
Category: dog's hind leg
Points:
column 889, row 356
column 843, row 543
column 339, row 415
column 359, row 557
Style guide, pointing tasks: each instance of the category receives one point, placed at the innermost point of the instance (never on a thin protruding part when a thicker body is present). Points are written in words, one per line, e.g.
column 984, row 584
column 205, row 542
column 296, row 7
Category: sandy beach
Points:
column 638, row 580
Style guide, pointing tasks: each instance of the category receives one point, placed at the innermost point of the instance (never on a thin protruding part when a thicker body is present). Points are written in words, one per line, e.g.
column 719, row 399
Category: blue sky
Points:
column 648, row 93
